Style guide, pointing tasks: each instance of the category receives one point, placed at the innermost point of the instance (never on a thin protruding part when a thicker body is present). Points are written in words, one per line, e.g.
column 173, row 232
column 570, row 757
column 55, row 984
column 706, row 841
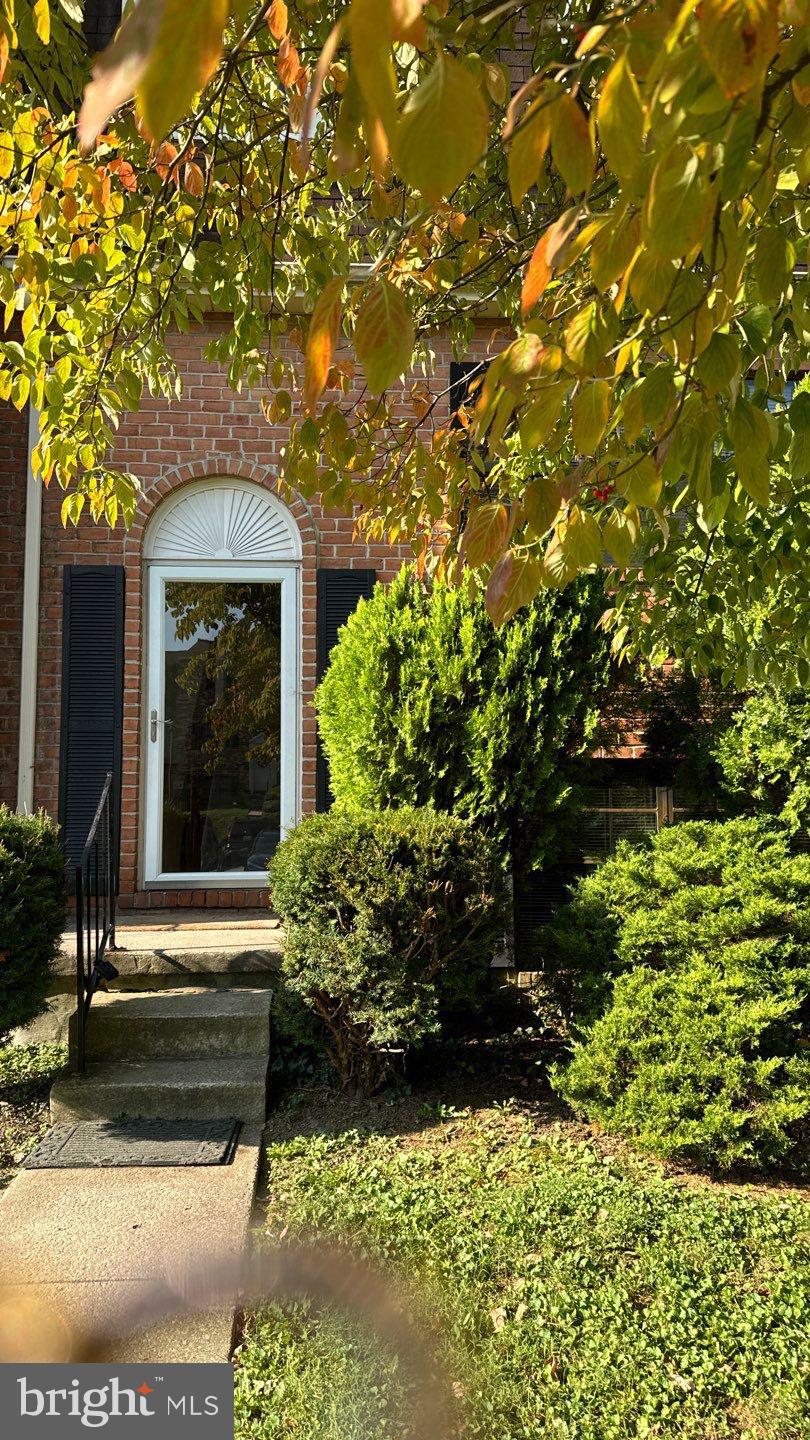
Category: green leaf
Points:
column 590, row 334
column 799, row 420
column 756, row 326
column 443, row 131
column 748, row 431
column 537, row 422
column 719, row 364
column 590, row 414
column 541, row 503
column 383, row 335
column 619, row 534
column 583, row 538
column 621, row 118
column 642, row 484
column 737, row 153
column 186, row 53
column 774, row 258
column 678, row 203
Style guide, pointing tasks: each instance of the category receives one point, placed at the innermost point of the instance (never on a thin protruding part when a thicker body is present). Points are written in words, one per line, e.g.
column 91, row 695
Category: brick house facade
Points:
column 210, row 434
column 211, row 438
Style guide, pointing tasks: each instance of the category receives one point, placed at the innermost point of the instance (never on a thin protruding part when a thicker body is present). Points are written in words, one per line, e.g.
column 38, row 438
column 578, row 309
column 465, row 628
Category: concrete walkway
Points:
column 87, row 1245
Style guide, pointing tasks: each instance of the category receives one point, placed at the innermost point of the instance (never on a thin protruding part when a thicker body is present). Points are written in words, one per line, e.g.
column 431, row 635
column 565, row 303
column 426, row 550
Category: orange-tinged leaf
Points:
column 186, row 52
column 119, row 69
column 371, row 37
column 383, row 335
column 321, row 71
column 322, row 337
column 443, row 131
column 193, row 179
column 739, row 39
column 538, row 274
column 409, row 22
column 486, row 533
column 514, row 582
column 288, row 63
column 277, row 19
column 572, row 144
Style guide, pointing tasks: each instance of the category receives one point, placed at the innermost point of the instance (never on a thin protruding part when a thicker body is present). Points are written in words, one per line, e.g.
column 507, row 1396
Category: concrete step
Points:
column 165, row 950
column 176, row 1025
column 170, row 1089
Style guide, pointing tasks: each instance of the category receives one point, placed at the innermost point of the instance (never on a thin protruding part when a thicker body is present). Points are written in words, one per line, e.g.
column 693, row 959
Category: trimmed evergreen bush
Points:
column 699, row 1063
column 390, row 920
column 426, row 703
column 32, row 913
column 764, row 757
column 685, row 963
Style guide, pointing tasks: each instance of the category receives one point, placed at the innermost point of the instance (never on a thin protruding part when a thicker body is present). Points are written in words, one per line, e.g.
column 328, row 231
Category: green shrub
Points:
column 390, row 919
column 703, row 886
column 764, row 757
column 695, row 948
column 426, row 703
column 698, row 1064
column 32, row 913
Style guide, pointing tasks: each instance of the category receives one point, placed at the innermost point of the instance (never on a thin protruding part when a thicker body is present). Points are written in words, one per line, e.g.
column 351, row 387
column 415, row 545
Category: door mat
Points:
column 91, row 1144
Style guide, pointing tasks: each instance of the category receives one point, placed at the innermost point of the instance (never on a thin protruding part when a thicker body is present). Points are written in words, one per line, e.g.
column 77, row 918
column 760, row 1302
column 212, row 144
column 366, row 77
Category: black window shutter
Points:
column 92, row 698
column 462, row 375
column 536, row 899
column 338, row 594
column 101, row 20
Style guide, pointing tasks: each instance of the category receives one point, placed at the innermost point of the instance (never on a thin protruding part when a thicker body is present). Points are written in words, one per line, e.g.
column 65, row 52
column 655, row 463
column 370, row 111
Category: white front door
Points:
column 221, row 723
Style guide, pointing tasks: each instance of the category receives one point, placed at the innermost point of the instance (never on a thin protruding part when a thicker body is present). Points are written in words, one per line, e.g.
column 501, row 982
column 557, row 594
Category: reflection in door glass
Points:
column 222, row 731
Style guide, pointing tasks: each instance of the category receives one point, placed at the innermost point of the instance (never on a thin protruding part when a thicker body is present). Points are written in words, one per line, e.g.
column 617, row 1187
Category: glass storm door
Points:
column 221, row 722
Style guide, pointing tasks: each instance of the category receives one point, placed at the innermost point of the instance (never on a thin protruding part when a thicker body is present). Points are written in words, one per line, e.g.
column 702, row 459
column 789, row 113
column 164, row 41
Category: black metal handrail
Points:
column 96, row 890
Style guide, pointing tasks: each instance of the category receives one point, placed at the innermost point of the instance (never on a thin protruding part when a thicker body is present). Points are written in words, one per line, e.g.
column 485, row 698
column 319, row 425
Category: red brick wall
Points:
column 13, row 481
column 209, row 431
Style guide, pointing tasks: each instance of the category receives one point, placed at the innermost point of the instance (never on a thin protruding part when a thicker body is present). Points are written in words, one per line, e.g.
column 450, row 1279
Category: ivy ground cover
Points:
column 567, row 1288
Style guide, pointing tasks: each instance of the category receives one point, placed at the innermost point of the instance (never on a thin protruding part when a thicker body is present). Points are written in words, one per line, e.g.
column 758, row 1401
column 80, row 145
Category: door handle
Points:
column 154, row 722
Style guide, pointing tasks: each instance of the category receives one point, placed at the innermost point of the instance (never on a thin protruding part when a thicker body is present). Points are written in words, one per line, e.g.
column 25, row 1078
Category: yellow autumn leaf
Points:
column 42, row 20
column 620, row 117
column 572, row 143
column 371, row 37
column 186, row 52
column 590, row 415
column 528, row 146
column 443, row 130
column 739, row 39
column 678, row 202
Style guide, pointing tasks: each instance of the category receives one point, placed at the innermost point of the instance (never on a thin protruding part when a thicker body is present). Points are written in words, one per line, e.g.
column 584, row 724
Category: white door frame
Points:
column 218, row 571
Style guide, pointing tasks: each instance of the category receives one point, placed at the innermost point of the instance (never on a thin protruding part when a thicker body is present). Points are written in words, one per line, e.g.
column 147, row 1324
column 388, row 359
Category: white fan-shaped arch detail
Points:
column 223, row 519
